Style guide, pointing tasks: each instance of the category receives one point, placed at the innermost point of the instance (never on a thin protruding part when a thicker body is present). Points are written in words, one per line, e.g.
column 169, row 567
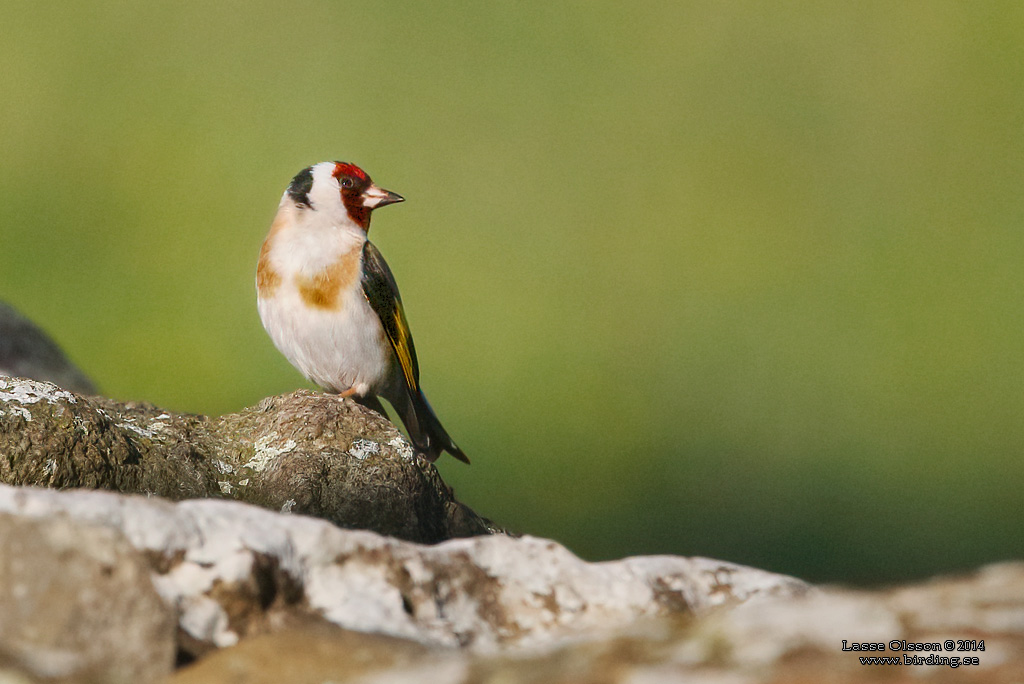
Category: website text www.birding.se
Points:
column 913, row 653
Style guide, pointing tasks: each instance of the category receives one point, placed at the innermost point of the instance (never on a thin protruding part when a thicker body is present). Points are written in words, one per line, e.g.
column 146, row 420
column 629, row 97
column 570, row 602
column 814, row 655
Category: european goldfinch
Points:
column 330, row 303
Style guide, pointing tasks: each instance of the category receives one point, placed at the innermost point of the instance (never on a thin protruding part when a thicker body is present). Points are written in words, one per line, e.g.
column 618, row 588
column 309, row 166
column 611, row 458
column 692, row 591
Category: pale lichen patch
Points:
column 20, row 411
column 127, row 423
column 361, row 448
column 141, row 431
column 266, row 451
column 403, row 448
column 24, row 391
column 223, row 468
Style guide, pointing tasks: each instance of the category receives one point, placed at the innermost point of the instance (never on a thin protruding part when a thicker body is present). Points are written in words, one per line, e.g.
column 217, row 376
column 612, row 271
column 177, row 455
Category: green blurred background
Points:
column 741, row 279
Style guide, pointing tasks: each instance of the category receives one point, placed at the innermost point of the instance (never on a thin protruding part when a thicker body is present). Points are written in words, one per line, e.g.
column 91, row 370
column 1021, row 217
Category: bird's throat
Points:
column 359, row 214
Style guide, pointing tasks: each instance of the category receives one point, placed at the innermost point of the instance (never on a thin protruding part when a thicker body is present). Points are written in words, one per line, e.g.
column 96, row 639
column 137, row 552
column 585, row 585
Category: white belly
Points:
column 339, row 349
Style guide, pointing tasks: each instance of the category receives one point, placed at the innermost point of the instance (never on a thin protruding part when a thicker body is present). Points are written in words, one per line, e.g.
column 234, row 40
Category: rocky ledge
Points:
column 224, row 572
column 304, row 452
column 177, row 576
column 106, row 587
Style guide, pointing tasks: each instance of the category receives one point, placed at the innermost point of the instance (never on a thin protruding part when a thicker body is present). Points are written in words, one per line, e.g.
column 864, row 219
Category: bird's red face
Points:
column 359, row 194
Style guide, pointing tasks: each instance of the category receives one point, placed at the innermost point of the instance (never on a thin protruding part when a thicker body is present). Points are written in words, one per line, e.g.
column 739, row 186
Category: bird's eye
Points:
column 347, row 183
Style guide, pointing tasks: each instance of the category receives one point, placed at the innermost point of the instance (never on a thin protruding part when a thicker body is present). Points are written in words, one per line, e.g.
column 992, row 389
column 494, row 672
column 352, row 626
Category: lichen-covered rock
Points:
column 304, row 452
column 785, row 640
column 233, row 571
column 321, row 455
column 77, row 603
column 802, row 639
column 267, row 597
column 50, row 437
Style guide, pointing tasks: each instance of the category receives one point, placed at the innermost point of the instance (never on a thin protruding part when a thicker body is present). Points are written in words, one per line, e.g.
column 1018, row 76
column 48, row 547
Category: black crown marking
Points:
column 300, row 186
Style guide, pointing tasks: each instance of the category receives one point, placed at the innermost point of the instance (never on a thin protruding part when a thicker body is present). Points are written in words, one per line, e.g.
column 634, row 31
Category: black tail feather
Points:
column 425, row 430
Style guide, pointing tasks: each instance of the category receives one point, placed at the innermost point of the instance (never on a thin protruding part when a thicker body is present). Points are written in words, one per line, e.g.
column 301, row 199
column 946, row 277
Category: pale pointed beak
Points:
column 374, row 197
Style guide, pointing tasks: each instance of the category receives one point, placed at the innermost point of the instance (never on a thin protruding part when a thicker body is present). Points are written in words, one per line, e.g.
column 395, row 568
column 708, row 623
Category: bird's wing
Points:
column 381, row 292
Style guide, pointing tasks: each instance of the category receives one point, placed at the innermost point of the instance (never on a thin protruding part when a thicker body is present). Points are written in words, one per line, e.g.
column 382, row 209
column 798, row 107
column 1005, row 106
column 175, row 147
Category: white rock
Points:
column 487, row 593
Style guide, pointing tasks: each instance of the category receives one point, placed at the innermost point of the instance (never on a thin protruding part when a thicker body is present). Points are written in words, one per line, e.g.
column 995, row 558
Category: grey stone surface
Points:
column 304, row 452
column 782, row 640
column 793, row 639
column 232, row 570
column 77, row 603
column 260, row 596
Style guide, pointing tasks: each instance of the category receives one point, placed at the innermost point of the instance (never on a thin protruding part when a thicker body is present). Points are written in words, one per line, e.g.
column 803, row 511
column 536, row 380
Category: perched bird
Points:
column 330, row 303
